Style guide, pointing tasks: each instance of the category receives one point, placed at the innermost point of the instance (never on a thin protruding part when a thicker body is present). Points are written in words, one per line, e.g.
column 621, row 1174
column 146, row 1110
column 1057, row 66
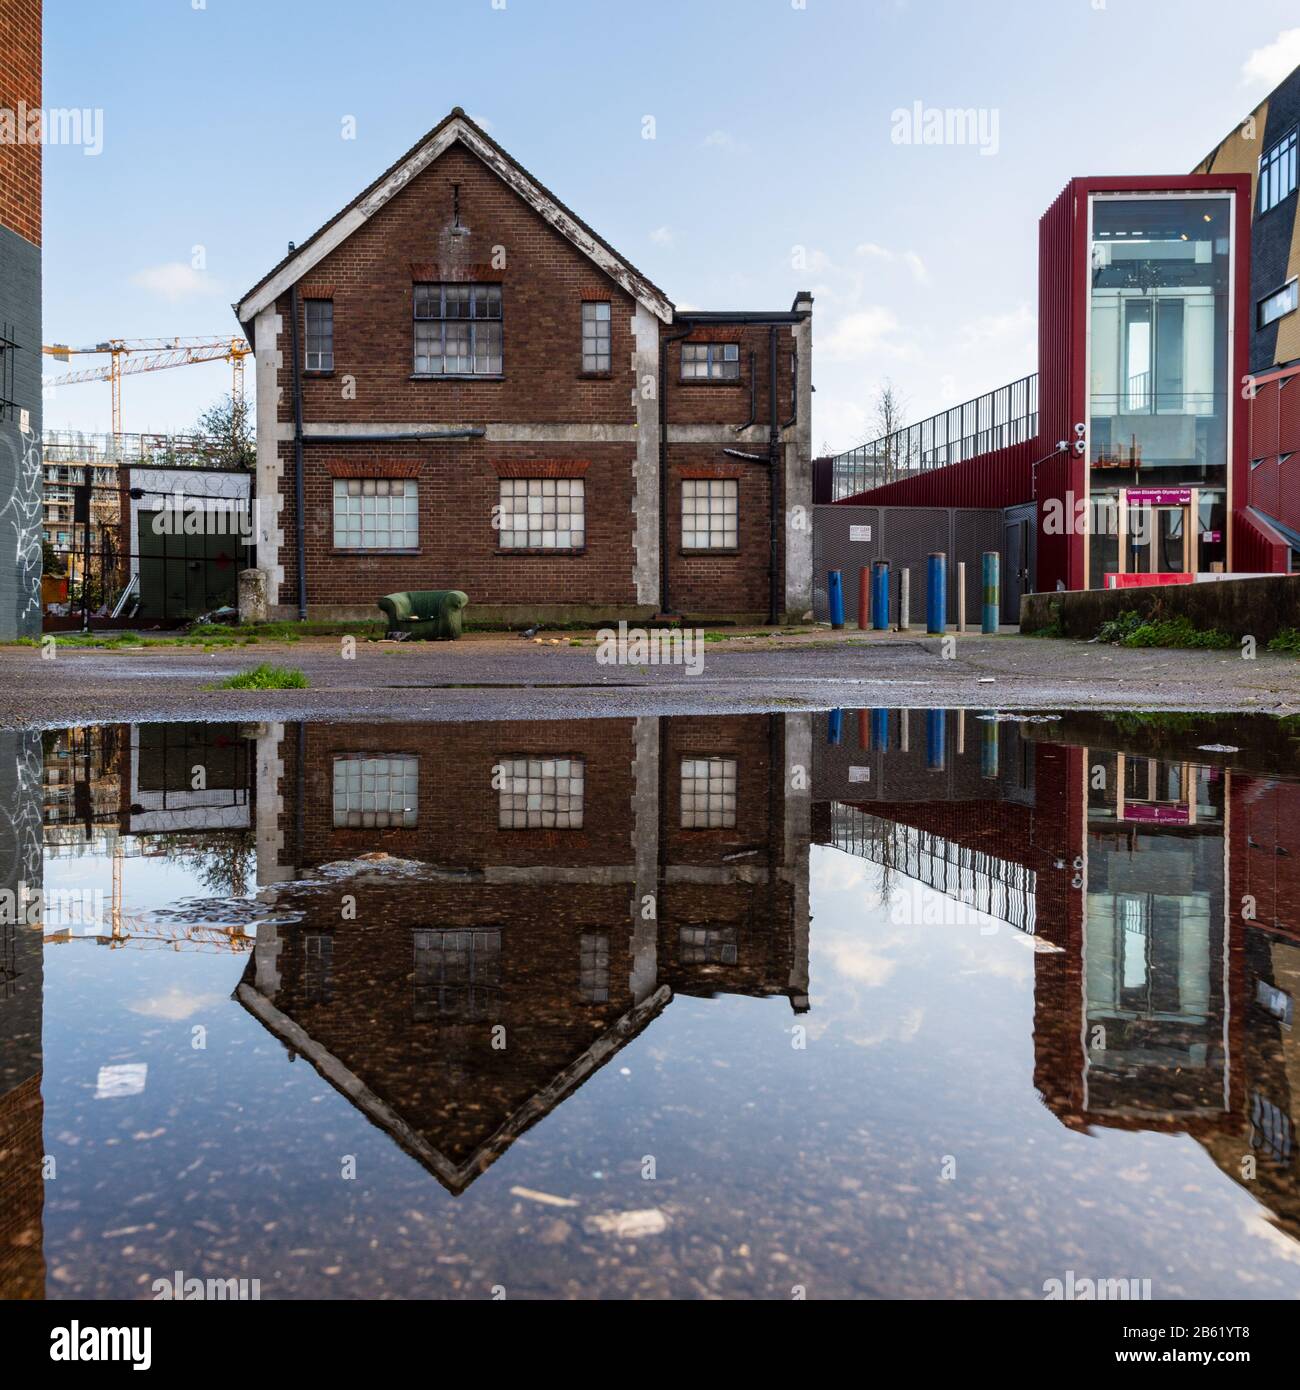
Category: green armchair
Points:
column 427, row 615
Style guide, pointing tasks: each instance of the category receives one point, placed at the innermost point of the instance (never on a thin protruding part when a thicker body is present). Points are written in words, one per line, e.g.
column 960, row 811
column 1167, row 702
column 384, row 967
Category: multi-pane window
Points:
column 710, row 362
column 1280, row 302
column 595, row 337
column 376, row 793
column 708, row 793
column 542, row 514
column 709, row 513
column 376, row 514
column 458, row 330
column 708, row 945
column 1277, row 172
column 541, row 793
column 594, row 967
column 457, row 971
column 320, row 335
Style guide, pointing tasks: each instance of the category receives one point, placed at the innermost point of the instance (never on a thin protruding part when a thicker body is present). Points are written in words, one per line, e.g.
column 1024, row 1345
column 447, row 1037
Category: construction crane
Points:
column 133, row 355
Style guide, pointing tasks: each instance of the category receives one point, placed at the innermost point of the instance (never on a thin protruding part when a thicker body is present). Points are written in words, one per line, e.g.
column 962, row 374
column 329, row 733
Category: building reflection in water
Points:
column 1158, row 869
column 473, row 919
column 457, row 925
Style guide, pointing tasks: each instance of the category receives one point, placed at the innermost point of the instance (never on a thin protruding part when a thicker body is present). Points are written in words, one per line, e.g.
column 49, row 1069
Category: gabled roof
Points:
column 456, row 126
column 455, row 1174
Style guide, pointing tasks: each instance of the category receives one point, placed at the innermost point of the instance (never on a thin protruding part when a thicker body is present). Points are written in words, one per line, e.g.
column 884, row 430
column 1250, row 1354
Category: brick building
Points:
column 621, row 862
column 468, row 388
column 20, row 318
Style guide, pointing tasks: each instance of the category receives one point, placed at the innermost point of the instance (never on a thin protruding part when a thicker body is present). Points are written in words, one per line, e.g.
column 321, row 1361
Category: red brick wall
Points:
column 22, row 1192
column 458, row 488
column 20, row 81
column 544, row 279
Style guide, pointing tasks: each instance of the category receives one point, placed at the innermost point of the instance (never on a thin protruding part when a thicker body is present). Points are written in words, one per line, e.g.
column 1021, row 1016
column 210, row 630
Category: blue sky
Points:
column 774, row 165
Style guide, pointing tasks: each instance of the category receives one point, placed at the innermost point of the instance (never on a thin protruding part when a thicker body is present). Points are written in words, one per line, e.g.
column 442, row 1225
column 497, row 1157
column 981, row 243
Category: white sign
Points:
column 859, row 533
column 859, row 774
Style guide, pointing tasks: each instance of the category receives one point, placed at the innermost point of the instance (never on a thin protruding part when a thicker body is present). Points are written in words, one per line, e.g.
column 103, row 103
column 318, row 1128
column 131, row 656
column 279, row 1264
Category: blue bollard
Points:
column 880, row 730
column 936, row 728
column 834, row 725
column 936, row 594
column 835, row 598
column 989, row 749
column 990, row 616
column 880, row 595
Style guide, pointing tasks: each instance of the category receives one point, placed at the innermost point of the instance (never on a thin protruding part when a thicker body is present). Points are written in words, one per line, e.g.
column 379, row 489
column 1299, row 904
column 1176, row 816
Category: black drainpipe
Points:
column 299, row 486
column 663, row 463
column 774, row 487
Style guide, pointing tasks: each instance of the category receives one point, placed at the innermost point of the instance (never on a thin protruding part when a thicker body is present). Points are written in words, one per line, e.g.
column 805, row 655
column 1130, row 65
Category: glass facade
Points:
column 1159, row 383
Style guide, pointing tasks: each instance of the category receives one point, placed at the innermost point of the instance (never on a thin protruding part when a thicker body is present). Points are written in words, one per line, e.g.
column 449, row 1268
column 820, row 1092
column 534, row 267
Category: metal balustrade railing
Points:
column 1008, row 415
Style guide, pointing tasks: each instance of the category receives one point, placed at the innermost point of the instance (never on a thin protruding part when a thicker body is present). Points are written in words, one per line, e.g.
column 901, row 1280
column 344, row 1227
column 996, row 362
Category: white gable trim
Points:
column 508, row 172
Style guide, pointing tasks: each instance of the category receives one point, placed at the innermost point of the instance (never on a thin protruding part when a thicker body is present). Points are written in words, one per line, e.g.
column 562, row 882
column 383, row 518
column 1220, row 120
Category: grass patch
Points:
column 1131, row 629
column 265, row 677
column 1287, row 641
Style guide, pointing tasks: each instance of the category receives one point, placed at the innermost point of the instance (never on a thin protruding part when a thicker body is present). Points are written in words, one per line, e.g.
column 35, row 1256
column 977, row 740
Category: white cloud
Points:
column 175, row 280
column 860, row 334
column 910, row 259
column 724, row 140
column 483, row 123
column 1016, row 325
column 175, row 1005
column 662, row 236
column 1275, row 61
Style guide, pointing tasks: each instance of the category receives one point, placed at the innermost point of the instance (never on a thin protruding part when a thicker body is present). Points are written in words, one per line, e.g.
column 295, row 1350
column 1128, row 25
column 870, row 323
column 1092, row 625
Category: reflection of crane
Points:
column 130, row 356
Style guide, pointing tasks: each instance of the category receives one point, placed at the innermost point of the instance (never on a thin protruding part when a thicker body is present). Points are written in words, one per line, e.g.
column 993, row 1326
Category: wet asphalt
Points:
column 507, row 677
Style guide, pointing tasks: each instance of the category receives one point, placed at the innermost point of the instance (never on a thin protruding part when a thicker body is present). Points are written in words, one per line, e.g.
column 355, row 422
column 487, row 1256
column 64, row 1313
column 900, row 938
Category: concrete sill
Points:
column 463, row 376
column 686, row 554
column 365, row 554
column 554, row 554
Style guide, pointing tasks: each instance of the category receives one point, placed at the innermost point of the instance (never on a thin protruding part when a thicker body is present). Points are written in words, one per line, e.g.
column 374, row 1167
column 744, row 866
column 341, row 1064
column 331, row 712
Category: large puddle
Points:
column 860, row 1003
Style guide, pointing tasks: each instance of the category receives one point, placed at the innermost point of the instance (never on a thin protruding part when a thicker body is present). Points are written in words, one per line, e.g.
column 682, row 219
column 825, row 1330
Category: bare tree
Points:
column 891, row 417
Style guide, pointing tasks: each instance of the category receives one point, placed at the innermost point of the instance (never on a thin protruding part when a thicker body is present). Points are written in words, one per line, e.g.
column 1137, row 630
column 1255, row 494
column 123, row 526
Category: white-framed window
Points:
column 458, row 330
column 594, row 967
column 1277, row 171
column 376, row 514
column 708, row 945
column 708, row 793
column 376, row 793
column 595, row 336
column 710, row 362
column 1273, row 306
column 541, row 793
column 319, row 335
column 542, row 514
column 710, row 513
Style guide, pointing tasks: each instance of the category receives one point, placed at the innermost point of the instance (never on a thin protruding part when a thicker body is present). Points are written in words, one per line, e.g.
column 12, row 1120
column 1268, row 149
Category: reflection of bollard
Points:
column 880, row 595
column 936, row 725
column 989, row 746
column 961, row 595
column 936, row 594
column 835, row 598
column 864, row 598
column 864, row 730
column 990, row 616
column 880, row 730
column 834, row 725
column 904, row 599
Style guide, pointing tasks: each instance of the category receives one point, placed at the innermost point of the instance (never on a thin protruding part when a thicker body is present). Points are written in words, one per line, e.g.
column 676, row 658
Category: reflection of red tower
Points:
column 1265, row 837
